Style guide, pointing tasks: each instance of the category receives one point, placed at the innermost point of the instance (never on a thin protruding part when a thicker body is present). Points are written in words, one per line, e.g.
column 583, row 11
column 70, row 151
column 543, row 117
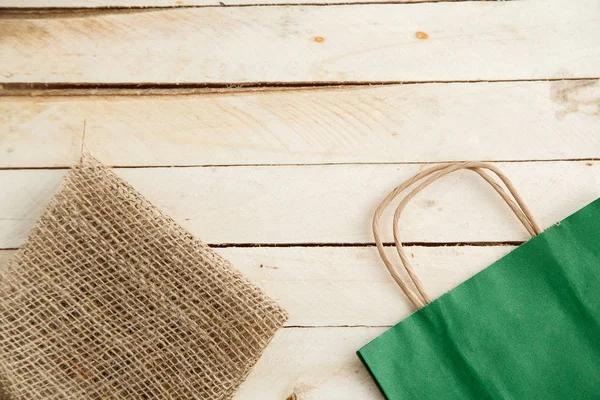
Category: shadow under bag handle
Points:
column 420, row 298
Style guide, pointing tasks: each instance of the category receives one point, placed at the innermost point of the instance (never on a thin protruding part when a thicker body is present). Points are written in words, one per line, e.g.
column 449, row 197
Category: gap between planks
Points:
column 334, row 326
column 548, row 160
column 100, row 9
column 348, row 245
column 369, row 244
column 40, row 89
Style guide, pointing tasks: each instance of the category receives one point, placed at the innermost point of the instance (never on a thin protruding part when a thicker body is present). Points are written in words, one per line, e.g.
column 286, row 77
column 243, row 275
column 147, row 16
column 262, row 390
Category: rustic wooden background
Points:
column 272, row 131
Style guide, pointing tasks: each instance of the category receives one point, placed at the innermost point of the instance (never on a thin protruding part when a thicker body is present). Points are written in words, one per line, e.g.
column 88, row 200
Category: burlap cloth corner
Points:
column 111, row 299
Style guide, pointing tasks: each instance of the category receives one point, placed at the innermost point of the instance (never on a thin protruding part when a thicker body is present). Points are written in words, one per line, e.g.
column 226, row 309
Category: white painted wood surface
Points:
column 322, row 203
column 396, row 123
column 313, row 364
column 375, row 43
column 241, row 156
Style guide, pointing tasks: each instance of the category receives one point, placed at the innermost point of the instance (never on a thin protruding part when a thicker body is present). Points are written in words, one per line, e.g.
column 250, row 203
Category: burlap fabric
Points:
column 111, row 299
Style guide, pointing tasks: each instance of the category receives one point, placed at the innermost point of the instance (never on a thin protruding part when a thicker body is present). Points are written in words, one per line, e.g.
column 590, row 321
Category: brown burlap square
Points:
column 111, row 299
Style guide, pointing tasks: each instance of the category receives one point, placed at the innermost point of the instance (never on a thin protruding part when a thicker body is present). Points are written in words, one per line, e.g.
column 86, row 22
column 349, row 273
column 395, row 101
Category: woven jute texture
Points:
column 111, row 299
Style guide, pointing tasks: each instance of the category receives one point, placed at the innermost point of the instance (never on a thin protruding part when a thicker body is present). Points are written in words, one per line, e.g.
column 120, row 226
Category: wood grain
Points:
column 349, row 286
column 313, row 364
column 322, row 204
column 256, row 186
column 373, row 43
column 397, row 123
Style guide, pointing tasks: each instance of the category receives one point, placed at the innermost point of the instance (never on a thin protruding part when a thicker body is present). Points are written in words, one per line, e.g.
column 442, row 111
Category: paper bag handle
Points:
column 420, row 298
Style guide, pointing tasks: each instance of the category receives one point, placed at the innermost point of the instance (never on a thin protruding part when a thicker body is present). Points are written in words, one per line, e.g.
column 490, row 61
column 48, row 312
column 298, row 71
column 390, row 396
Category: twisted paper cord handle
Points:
column 420, row 298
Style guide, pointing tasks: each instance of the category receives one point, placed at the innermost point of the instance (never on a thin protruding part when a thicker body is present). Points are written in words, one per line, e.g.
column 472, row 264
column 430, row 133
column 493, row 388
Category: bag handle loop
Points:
column 420, row 298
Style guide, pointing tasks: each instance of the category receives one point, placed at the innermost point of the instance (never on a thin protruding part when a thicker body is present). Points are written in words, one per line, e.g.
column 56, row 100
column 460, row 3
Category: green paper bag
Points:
column 526, row 327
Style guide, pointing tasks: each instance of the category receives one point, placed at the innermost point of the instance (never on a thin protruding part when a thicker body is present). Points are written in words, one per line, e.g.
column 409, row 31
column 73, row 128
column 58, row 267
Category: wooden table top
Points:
column 272, row 131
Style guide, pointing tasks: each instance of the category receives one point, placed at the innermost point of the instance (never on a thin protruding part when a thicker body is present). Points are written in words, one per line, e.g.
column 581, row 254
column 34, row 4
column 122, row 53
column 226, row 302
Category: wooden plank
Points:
column 173, row 3
column 313, row 364
column 485, row 121
column 349, row 286
column 323, row 203
column 461, row 41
